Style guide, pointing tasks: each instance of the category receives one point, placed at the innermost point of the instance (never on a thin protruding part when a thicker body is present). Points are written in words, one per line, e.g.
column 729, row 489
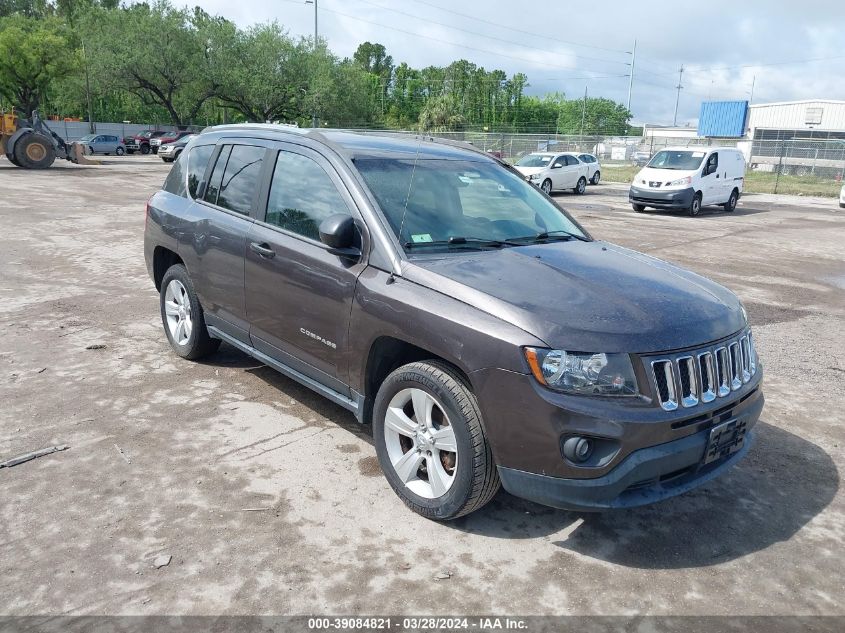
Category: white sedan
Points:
column 554, row 171
column 594, row 173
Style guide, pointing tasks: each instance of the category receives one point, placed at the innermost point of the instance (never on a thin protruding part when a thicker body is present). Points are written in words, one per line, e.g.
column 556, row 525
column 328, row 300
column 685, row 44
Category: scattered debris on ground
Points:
column 20, row 459
column 162, row 561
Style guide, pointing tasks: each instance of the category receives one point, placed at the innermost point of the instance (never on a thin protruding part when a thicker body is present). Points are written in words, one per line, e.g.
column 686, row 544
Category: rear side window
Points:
column 241, row 178
column 197, row 162
column 302, row 195
column 216, row 178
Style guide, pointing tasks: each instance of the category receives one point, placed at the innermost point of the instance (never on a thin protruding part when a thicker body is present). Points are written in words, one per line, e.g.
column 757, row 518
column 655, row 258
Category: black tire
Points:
column 842, row 205
column 730, row 205
column 547, row 187
column 695, row 205
column 145, row 149
column 13, row 160
column 581, row 187
column 476, row 478
column 199, row 343
column 34, row 151
column 167, row 160
column 595, row 179
column 130, row 151
column 119, row 151
column 639, row 208
column 177, row 154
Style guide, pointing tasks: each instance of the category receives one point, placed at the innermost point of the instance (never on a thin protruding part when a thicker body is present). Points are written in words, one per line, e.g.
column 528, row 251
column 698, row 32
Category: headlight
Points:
column 583, row 373
column 680, row 181
column 534, row 177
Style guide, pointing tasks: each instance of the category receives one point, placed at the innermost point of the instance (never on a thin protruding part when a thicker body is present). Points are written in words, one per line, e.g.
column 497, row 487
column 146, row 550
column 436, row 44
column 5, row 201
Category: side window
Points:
column 197, row 162
column 175, row 182
column 302, row 195
column 713, row 163
column 241, row 178
column 571, row 160
column 216, row 178
column 560, row 162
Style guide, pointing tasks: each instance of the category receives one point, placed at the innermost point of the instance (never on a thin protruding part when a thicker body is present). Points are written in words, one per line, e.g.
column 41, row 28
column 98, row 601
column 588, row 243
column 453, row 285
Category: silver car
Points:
column 102, row 144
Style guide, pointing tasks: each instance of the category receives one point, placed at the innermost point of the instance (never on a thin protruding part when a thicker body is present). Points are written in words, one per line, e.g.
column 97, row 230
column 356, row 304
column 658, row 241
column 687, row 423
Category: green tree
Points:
column 157, row 53
column 440, row 114
column 33, row 53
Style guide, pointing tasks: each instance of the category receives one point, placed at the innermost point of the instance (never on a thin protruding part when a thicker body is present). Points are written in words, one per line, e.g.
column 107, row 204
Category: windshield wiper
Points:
column 558, row 234
column 460, row 241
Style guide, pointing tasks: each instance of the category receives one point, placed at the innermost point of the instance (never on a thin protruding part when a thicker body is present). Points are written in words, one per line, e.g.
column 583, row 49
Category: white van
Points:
column 689, row 178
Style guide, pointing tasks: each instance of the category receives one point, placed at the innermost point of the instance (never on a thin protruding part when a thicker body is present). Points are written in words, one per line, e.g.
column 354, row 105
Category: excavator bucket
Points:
column 76, row 154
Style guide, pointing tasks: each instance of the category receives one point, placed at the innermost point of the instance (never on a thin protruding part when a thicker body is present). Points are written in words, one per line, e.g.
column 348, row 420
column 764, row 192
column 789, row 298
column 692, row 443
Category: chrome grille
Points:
column 713, row 372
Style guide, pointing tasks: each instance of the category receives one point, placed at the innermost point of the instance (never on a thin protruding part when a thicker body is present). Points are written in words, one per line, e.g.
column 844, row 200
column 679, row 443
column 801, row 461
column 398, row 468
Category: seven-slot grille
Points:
column 713, row 372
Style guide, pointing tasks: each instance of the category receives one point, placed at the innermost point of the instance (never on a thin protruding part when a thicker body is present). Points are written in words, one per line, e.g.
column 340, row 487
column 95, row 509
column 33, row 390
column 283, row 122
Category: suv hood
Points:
column 587, row 296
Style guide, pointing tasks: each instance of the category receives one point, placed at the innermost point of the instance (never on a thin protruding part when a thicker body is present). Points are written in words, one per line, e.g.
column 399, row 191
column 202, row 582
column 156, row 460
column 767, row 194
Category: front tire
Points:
column 182, row 316
column 430, row 442
column 34, row 151
column 119, row 151
column 547, row 187
column 581, row 187
column 145, row 149
column 596, row 177
column 695, row 205
column 639, row 208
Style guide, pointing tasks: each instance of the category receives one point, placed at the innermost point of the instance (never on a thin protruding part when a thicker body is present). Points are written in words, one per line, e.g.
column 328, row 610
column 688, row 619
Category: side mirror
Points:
column 338, row 233
column 557, row 166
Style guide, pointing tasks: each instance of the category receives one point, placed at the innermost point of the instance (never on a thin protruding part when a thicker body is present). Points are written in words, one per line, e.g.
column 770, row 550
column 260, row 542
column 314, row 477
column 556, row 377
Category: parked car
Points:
column 141, row 142
column 482, row 331
column 640, row 159
column 102, row 144
column 554, row 171
column 171, row 151
column 689, row 179
column 842, row 197
column 167, row 137
column 594, row 172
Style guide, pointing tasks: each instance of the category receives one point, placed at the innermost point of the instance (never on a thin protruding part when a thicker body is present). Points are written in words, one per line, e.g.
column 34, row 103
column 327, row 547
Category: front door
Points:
column 298, row 294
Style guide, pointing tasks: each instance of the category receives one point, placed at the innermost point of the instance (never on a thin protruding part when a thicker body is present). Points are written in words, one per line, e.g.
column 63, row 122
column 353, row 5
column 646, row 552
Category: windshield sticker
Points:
column 422, row 237
column 697, row 154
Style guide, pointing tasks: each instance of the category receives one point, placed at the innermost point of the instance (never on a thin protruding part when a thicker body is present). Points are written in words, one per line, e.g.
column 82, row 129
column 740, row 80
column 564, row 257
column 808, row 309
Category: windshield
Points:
column 461, row 200
column 88, row 137
column 672, row 159
column 534, row 160
column 146, row 134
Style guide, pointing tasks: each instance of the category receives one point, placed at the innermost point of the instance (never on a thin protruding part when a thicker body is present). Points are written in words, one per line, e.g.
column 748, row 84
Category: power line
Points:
column 476, row 18
column 490, row 37
column 442, row 41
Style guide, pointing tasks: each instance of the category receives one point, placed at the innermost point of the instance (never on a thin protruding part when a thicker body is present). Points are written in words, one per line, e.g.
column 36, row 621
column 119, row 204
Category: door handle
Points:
column 262, row 249
column 717, row 175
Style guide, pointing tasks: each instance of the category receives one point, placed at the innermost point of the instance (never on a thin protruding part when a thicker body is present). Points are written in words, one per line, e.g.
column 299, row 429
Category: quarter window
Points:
column 197, row 162
column 302, row 195
column 213, row 187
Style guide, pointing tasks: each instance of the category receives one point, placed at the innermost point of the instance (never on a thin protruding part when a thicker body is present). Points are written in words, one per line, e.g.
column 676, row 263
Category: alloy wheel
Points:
column 421, row 443
column 177, row 309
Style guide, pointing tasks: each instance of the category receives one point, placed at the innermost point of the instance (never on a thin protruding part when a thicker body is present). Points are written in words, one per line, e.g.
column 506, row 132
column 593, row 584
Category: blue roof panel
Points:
column 723, row 119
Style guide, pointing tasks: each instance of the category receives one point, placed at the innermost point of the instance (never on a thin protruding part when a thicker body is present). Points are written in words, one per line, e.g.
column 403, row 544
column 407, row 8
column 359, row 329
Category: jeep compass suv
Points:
column 432, row 291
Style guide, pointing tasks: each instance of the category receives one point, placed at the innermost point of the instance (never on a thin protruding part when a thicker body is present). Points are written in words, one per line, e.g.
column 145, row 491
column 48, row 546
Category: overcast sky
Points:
column 564, row 45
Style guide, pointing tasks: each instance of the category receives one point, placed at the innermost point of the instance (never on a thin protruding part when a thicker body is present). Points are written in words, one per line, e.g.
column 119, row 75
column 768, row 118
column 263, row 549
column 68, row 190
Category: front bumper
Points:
column 646, row 476
column 662, row 199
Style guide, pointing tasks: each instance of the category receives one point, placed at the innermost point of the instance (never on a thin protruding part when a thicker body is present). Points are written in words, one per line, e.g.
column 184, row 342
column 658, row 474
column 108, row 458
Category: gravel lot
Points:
column 269, row 500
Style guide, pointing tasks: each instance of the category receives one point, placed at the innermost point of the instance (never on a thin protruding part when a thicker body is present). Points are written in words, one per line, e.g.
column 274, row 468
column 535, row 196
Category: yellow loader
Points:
column 32, row 145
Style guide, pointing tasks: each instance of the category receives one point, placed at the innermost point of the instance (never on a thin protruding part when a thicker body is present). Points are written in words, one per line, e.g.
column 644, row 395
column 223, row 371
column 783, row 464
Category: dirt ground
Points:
column 269, row 500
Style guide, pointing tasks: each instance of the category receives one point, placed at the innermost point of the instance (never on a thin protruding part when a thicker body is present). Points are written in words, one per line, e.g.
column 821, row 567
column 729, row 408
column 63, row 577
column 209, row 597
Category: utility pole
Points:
column 631, row 76
column 316, row 40
column 87, row 92
column 678, row 98
column 753, row 81
column 583, row 113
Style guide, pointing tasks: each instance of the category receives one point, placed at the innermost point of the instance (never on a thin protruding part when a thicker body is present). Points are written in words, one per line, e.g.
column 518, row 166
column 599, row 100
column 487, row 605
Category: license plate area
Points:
column 725, row 439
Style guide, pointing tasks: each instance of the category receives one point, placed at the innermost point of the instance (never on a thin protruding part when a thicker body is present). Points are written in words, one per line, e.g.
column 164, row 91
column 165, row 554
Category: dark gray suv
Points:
column 428, row 288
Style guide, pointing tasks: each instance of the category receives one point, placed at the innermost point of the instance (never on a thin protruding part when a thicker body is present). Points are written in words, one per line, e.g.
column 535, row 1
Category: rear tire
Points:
column 695, row 205
column 596, row 177
column 182, row 316
column 581, row 187
column 34, row 151
column 730, row 205
column 448, row 404
column 639, row 208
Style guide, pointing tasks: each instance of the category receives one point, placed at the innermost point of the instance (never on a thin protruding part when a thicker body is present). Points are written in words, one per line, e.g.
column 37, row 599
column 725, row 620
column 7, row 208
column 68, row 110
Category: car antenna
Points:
column 410, row 186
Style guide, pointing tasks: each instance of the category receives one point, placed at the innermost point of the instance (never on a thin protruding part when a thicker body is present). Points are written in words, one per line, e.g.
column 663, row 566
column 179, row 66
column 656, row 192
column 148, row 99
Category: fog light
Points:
column 577, row 449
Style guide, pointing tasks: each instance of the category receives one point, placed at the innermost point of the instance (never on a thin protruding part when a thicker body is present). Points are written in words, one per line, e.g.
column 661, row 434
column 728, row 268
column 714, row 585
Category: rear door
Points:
column 215, row 237
column 298, row 294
